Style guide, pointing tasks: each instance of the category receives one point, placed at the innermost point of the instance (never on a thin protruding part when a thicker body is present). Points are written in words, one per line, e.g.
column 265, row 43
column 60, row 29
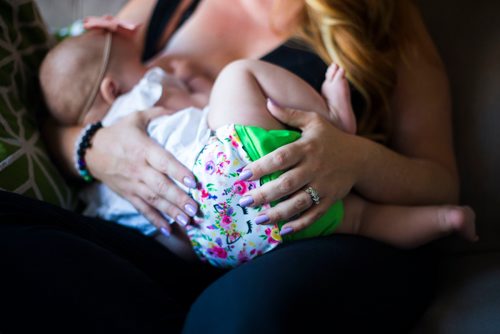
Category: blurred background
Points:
column 61, row 13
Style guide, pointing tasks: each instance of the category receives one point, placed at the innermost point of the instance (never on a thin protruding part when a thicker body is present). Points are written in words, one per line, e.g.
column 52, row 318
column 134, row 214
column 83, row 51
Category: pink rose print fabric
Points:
column 225, row 234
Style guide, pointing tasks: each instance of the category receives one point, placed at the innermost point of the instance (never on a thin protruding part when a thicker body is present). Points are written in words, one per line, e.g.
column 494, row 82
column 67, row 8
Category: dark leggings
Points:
column 61, row 272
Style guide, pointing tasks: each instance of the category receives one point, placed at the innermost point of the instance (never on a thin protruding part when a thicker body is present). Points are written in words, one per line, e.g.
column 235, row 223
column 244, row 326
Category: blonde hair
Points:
column 367, row 39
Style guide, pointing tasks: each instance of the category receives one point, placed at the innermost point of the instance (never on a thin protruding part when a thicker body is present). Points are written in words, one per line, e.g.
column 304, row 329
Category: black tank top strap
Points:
column 162, row 13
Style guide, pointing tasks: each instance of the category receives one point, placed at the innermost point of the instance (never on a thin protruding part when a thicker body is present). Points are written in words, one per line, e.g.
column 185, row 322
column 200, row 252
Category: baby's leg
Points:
column 241, row 90
column 405, row 226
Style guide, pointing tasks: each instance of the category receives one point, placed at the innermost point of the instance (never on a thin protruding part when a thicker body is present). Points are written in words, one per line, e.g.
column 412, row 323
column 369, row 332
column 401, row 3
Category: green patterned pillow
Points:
column 24, row 164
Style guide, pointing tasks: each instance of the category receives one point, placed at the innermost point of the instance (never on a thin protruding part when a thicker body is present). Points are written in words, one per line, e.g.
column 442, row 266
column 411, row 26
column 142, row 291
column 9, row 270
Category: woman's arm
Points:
column 124, row 158
column 419, row 168
column 138, row 11
column 425, row 169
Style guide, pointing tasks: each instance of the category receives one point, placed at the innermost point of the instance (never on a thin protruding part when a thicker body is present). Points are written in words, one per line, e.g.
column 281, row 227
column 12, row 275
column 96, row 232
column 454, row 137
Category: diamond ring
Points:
column 313, row 194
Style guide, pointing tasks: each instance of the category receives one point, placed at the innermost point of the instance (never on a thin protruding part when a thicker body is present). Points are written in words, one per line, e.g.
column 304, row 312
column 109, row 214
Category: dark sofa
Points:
column 467, row 34
column 468, row 37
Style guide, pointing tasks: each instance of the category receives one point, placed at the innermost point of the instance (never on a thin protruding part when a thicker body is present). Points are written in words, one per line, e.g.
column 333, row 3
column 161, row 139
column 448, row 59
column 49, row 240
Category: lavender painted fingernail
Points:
column 286, row 230
column 245, row 175
column 191, row 210
column 182, row 219
column 189, row 182
column 246, row 201
column 261, row 219
column 165, row 232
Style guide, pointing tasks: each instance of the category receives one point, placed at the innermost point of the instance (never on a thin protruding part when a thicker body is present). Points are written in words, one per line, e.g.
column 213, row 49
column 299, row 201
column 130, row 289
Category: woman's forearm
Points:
column 390, row 177
column 60, row 141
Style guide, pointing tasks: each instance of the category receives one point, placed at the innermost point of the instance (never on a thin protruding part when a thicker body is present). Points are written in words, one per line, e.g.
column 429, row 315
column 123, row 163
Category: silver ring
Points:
column 313, row 194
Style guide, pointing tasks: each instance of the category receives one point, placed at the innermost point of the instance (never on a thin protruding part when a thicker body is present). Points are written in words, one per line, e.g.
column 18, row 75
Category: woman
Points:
column 361, row 284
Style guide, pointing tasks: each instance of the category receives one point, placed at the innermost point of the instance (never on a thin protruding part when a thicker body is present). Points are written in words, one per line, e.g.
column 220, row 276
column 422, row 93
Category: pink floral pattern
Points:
column 225, row 235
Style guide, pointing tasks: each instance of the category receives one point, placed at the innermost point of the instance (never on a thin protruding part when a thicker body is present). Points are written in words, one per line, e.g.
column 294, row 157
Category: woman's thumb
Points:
column 292, row 117
column 155, row 112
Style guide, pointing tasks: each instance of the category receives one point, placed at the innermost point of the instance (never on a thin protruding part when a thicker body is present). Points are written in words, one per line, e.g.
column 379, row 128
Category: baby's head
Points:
column 82, row 76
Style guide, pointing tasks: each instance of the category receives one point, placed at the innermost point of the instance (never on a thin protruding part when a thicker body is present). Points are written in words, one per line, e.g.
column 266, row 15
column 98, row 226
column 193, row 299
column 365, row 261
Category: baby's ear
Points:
column 109, row 89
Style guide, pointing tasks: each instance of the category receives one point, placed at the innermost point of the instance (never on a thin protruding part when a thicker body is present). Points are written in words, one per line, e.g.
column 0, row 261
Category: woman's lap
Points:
column 341, row 283
column 65, row 272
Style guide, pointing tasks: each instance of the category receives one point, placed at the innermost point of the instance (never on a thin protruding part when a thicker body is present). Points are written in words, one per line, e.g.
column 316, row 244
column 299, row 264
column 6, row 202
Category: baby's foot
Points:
column 335, row 89
column 459, row 219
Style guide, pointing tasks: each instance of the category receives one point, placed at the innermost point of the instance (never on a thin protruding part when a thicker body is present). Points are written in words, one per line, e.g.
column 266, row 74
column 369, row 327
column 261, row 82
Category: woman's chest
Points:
column 213, row 37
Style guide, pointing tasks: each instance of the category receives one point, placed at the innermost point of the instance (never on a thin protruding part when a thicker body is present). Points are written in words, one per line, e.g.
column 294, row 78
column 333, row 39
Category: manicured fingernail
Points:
column 261, row 219
column 273, row 102
column 189, row 182
column 246, row 201
column 165, row 232
column 191, row 210
column 245, row 175
column 286, row 230
column 182, row 219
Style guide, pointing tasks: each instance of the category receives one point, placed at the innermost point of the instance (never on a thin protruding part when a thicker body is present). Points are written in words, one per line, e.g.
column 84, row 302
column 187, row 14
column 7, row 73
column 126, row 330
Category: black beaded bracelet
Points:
column 81, row 146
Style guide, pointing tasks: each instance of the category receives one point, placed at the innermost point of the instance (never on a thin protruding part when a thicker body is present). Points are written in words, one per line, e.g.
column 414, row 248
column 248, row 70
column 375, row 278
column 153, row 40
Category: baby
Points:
column 98, row 76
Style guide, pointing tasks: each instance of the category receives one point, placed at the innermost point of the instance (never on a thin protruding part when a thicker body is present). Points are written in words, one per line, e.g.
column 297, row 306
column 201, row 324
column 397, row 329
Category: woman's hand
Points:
column 324, row 158
column 134, row 166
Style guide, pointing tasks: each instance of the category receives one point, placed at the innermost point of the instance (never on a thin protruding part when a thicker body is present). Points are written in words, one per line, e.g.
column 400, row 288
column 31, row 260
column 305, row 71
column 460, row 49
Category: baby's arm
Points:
column 241, row 90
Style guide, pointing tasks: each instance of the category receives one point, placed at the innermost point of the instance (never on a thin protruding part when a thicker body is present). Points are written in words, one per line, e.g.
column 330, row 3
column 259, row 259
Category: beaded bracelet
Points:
column 81, row 146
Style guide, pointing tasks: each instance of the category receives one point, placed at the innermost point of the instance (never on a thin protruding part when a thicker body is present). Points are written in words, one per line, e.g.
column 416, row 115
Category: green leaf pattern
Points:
column 25, row 167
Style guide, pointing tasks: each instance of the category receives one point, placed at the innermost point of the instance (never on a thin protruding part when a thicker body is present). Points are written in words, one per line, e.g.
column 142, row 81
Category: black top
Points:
column 298, row 60
column 304, row 64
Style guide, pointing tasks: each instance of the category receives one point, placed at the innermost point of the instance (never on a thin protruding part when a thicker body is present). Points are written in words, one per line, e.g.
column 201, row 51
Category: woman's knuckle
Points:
column 301, row 203
column 308, row 148
column 316, row 117
column 280, row 157
column 275, row 216
column 260, row 197
column 286, row 184
column 152, row 198
column 256, row 169
column 161, row 187
column 293, row 113
column 302, row 224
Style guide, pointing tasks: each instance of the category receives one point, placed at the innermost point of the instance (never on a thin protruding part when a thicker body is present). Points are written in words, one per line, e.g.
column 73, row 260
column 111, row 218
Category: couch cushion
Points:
column 467, row 34
column 468, row 299
column 25, row 167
